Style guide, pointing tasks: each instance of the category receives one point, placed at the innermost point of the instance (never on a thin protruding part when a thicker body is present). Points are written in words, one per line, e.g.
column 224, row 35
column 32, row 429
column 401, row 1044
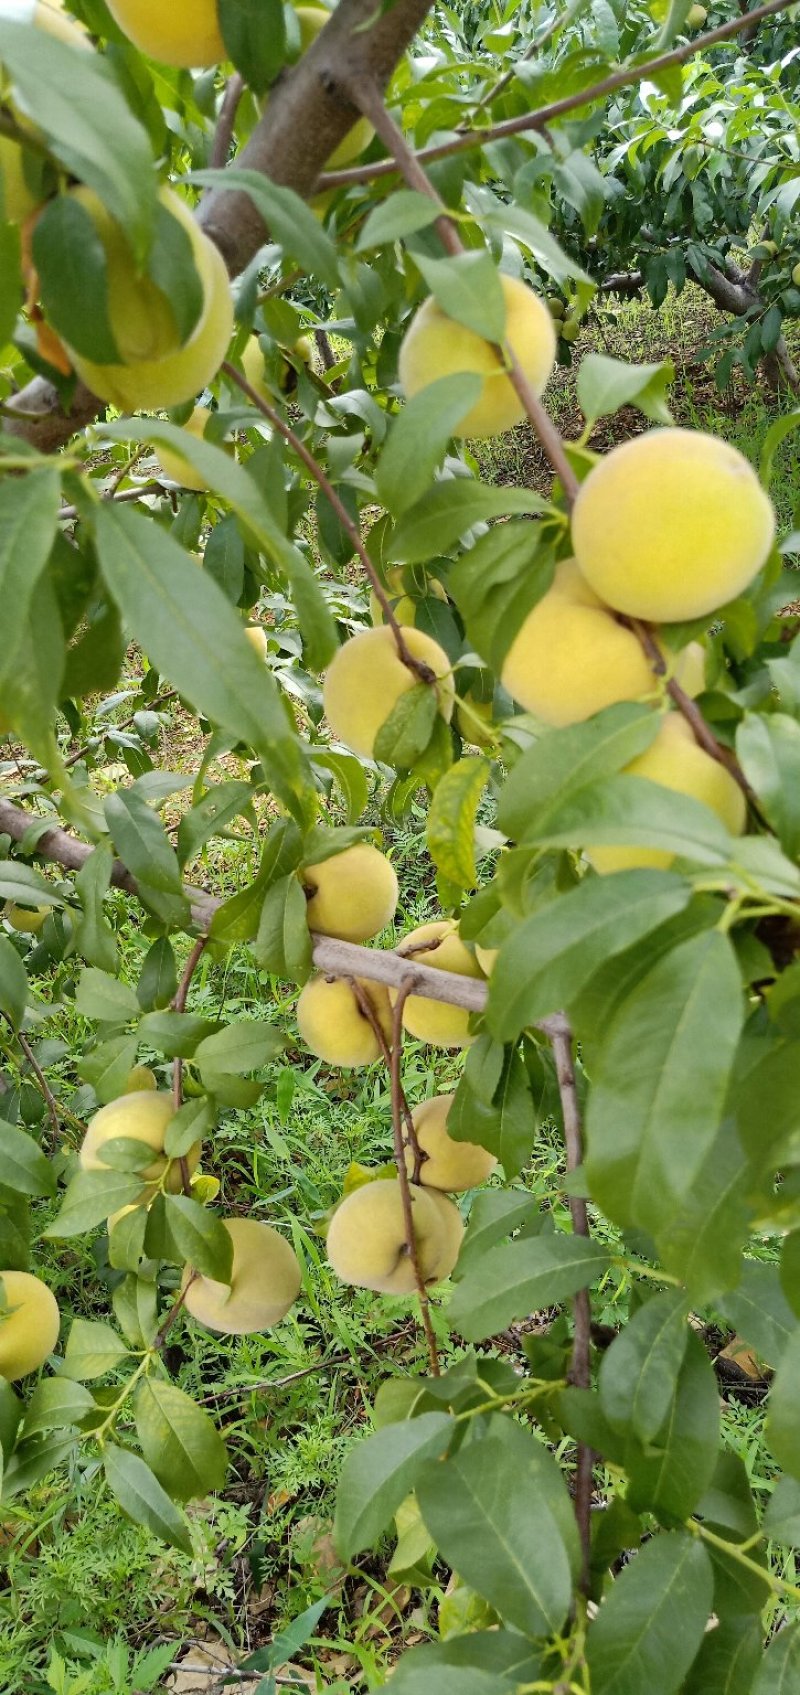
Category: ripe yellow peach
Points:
column 184, row 33
column 255, row 367
column 175, row 465
column 257, row 637
column 156, row 371
column 570, row 657
column 449, row 1164
column 671, row 525
column 366, row 679
column 333, row 1026
column 29, row 1324
column 676, row 761
column 141, row 1116
column 367, row 1238
column 26, row 920
column 403, row 605
column 265, row 1282
column 352, row 895
column 438, row 944
column 437, row 346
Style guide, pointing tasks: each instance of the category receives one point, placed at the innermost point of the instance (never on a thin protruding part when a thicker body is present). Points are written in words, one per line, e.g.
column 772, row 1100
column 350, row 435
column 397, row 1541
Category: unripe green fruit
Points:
column 437, row 346
column 352, row 895
column 367, row 1239
column 265, row 1282
column 696, row 17
column 366, row 679
column 186, row 32
column 26, row 921
column 28, row 1327
column 796, row 276
column 438, row 944
column 570, row 330
column 671, row 525
column 140, row 1080
column 449, row 1164
column 555, row 306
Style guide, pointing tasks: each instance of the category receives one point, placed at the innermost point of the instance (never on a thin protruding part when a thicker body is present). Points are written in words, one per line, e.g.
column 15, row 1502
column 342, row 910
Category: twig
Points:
column 68, row 513
column 559, row 108
column 703, row 734
column 226, row 120
column 418, row 666
column 558, row 23
column 367, row 96
column 167, row 1322
column 49, row 1097
column 579, row 1373
column 160, row 700
column 402, row 1172
column 261, row 1386
column 179, row 1005
column 368, row 1011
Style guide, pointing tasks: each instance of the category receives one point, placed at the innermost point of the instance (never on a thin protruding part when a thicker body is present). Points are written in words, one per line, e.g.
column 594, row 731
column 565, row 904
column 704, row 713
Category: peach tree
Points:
column 267, row 274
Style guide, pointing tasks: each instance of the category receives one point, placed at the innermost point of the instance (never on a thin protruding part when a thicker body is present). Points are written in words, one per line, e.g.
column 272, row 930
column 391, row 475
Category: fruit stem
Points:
column 420, row 670
column 580, row 1369
column 703, row 734
column 396, row 1059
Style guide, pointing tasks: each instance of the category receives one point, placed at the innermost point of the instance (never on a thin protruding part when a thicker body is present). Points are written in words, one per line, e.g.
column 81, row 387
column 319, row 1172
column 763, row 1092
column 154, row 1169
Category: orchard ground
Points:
column 76, row 1577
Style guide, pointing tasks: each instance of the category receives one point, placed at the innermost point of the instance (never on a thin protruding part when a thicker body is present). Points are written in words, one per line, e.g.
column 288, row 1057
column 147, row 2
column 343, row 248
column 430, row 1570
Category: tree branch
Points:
column 559, row 108
column 179, row 1005
column 305, row 118
column 402, row 1172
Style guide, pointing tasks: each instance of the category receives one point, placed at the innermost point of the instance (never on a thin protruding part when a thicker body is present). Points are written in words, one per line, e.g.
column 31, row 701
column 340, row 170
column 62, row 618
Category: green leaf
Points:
column 779, row 1673
column 521, row 1277
column 141, row 1496
column 377, row 1475
column 72, row 267
column 73, row 97
column 90, row 1198
column 702, row 1244
column 179, row 1441
column 635, row 812
column 20, row 883
column 728, row 1660
column 145, row 848
column 254, row 33
column 104, row 998
column 28, row 524
column 671, row 1475
column 552, row 955
column 200, row 1237
column 210, row 814
column 507, row 1125
column 418, row 439
column 510, row 216
column 468, row 289
column 31, row 1461
column 56, row 1403
column 401, row 213
column 760, row 1312
column 106, row 1066
column 564, row 762
column 288, row 218
column 436, row 522
column 175, row 1034
column 283, row 942
column 782, row 1517
column 480, row 1662
column 660, row 1080
column 604, row 385
column 768, row 749
column 192, row 635
column 158, row 978
column 450, row 829
column 783, row 1427
column 244, row 1045
column 94, row 937
column 188, row 1125
column 495, row 1213
column 639, row 1372
column 23, row 1166
column 13, row 983
column 653, row 1620
column 92, row 1350
column 406, row 732
column 11, row 287
column 489, row 1509
column 498, row 581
